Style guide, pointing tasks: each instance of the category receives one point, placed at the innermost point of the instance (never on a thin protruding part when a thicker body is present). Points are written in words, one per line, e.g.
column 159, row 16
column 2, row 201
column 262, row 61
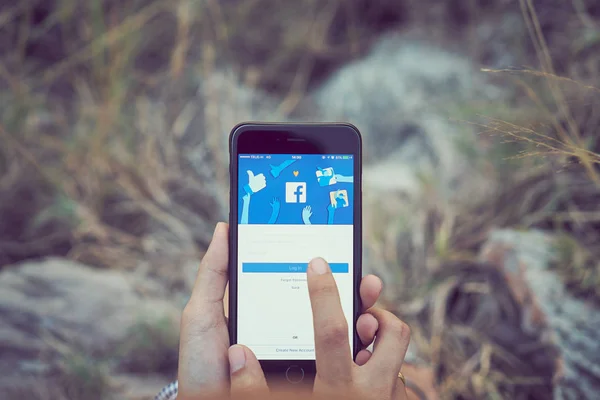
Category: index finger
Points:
column 332, row 343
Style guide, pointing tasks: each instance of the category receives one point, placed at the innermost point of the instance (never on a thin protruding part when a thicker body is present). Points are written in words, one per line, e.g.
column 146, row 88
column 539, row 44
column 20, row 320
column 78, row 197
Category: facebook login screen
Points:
column 292, row 208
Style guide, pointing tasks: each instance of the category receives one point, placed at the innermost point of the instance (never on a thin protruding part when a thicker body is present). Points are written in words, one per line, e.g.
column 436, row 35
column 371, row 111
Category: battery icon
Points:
column 346, row 157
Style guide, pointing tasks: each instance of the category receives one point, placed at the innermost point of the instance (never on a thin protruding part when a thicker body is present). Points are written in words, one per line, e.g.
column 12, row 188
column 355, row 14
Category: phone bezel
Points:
column 287, row 138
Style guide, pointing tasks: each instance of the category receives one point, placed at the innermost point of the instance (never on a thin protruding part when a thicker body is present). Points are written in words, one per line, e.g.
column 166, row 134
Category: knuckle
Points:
column 334, row 333
column 405, row 333
column 401, row 329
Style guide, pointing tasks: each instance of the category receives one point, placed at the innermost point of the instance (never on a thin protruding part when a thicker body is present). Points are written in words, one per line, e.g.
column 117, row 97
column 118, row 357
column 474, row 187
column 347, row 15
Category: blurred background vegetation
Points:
column 114, row 118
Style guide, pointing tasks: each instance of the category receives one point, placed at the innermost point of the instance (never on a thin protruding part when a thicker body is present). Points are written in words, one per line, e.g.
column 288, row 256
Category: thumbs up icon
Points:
column 256, row 183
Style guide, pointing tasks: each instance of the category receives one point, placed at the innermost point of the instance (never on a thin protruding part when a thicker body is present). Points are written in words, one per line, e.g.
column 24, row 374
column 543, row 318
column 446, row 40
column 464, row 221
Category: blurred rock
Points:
column 575, row 323
column 226, row 101
column 223, row 101
column 52, row 305
column 500, row 40
column 470, row 328
column 398, row 96
column 508, row 261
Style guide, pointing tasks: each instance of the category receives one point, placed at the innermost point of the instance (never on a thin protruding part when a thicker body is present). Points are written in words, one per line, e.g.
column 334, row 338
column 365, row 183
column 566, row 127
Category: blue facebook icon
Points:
column 295, row 192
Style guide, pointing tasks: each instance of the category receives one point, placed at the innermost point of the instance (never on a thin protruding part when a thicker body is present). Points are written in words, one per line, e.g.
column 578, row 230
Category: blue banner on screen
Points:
column 274, row 268
column 303, row 189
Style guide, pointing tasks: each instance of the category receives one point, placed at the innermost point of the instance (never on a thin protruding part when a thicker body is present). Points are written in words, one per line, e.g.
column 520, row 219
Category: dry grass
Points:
column 98, row 125
column 95, row 124
column 549, row 179
column 563, row 193
column 108, row 156
column 99, row 107
column 547, row 172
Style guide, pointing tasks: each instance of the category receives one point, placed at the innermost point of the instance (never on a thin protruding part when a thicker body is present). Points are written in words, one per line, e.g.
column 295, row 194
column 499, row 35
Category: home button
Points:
column 294, row 374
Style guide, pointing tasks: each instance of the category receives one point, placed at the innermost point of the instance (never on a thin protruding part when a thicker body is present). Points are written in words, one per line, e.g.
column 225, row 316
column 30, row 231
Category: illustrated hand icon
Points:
column 277, row 169
column 275, row 204
column 343, row 179
column 330, row 213
column 326, row 172
column 256, row 183
column 326, row 176
column 306, row 214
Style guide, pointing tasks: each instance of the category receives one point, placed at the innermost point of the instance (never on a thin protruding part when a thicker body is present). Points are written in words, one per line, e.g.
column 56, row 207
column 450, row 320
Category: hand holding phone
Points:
column 373, row 376
column 204, row 366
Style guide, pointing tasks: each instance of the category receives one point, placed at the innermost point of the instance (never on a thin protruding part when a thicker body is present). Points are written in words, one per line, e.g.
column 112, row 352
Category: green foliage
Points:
column 84, row 378
column 62, row 208
column 577, row 267
column 151, row 346
column 587, row 41
column 491, row 147
column 467, row 111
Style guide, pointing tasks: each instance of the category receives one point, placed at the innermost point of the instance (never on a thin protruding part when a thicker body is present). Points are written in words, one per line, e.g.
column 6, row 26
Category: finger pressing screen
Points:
column 332, row 345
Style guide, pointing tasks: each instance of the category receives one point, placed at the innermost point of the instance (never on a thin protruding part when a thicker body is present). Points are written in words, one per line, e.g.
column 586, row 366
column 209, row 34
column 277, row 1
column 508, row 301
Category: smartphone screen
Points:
column 290, row 209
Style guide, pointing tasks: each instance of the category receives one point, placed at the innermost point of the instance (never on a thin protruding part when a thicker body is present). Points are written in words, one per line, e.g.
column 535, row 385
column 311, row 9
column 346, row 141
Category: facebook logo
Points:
column 295, row 192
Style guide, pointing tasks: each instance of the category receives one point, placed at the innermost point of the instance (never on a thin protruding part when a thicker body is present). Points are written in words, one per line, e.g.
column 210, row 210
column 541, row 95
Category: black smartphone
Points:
column 295, row 194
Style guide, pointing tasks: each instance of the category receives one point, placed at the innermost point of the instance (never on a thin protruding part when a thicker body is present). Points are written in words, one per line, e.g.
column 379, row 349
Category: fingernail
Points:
column 237, row 358
column 319, row 266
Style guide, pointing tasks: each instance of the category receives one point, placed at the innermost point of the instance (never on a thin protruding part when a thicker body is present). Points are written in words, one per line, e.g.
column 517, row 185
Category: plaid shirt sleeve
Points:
column 169, row 392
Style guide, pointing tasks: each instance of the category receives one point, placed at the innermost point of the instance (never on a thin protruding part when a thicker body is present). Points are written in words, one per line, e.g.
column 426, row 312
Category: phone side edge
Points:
column 233, row 227
column 358, row 239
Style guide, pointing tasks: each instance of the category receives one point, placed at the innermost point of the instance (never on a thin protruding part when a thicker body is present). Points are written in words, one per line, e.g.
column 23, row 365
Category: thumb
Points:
column 246, row 373
column 250, row 174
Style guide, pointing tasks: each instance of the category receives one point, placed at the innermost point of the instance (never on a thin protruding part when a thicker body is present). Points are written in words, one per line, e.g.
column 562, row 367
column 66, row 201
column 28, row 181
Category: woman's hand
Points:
column 373, row 376
column 204, row 338
column 204, row 361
